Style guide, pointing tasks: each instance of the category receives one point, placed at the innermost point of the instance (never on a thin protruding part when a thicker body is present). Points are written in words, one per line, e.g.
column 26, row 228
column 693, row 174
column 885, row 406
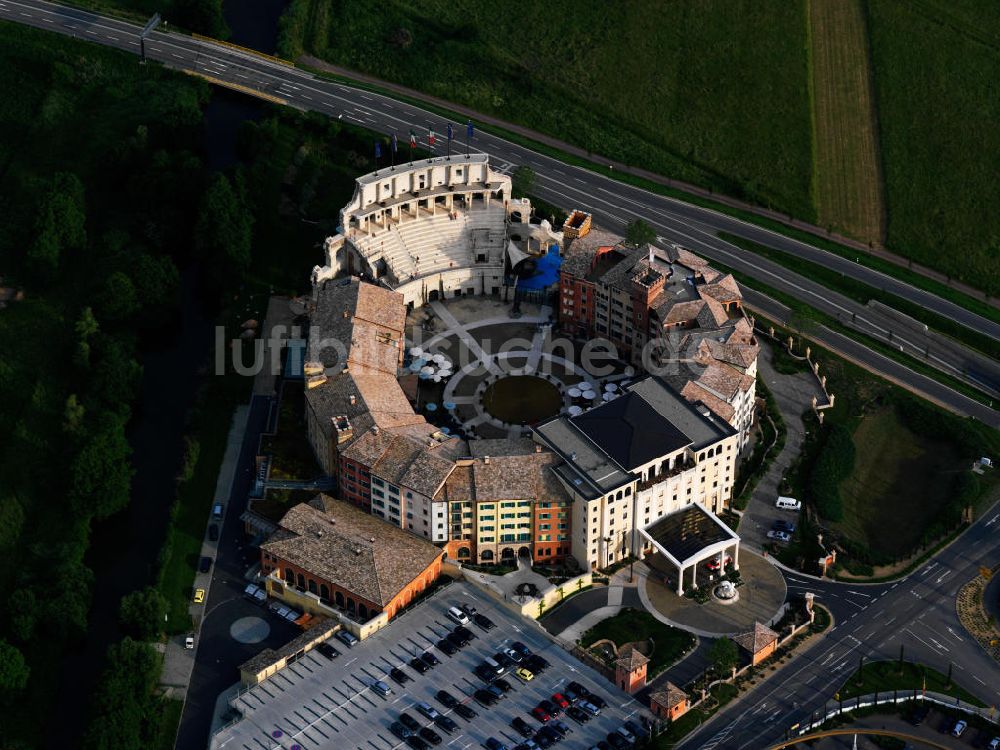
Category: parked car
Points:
column 494, row 744
column 541, row 714
column 560, row 700
column 427, row 710
column 466, row 635
column 485, row 697
column 495, row 691
column 381, row 688
column 959, row 728
column 466, row 711
column 550, row 707
column 399, row 676
column 994, row 744
column 430, row 736
column 596, row 700
column 714, row 563
column 446, row 723
column 189, row 641
column 458, row 615
column 504, row 686
column 417, row 664
column 456, row 640
column 788, row 503
column 549, row 733
column 483, row 621
column 786, row 526
column 199, row 596
column 560, row 726
column 544, row 739
column 589, row 707
column 409, row 722
column 514, row 655
column 429, row 659
column 503, row 660
column 255, row 593
column 204, row 564
column 446, row 699
column 213, row 532
column 347, row 638
column 617, row 741
column 328, row 651
column 578, row 714
column 525, row 674
column 217, row 510
column 399, row 730
column 447, row 647
column 484, row 673
column 626, row 734
column 523, row 650
column 496, row 666
column 576, row 687
column 779, row 536
column 522, row 727
column 639, row 731
column 417, row 743
column 535, row 663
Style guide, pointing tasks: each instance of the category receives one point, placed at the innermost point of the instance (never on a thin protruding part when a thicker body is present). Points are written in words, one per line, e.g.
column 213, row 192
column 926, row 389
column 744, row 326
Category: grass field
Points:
column 713, row 92
column 633, row 625
column 936, row 64
column 897, row 482
column 885, row 676
column 847, row 181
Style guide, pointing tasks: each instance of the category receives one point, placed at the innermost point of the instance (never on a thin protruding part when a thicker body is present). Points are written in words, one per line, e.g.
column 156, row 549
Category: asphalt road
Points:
column 873, row 621
column 612, row 203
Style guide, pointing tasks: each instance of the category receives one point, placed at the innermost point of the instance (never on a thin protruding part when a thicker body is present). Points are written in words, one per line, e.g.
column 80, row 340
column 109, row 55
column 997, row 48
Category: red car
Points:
column 541, row 714
column 560, row 700
column 713, row 564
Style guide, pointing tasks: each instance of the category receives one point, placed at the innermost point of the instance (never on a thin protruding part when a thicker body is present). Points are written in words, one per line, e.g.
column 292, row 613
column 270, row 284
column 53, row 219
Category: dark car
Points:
column 543, row 739
column 617, row 741
column 416, row 743
column 429, row 659
column 550, row 733
column 561, row 726
column 505, row 686
column 430, row 735
column 495, row 691
column 484, row 673
column 446, row 699
column 466, row 635
column 447, row 647
column 409, row 722
column 328, row 651
column 639, row 731
column 466, row 711
column 535, row 663
column 399, row 730
column 603, row 745
column 550, row 708
column 503, row 660
column 418, row 665
column 595, row 700
column 523, row 650
column 494, row 744
column 485, row 697
column 457, row 641
column 787, row 526
column 577, row 714
column 204, row 564
column 483, row 621
column 522, row 727
column 446, row 723
column 213, row 533
column 576, row 687
column 399, row 676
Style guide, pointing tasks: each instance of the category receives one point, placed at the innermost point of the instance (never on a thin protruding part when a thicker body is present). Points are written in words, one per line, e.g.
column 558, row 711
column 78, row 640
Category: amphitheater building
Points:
column 580, row 485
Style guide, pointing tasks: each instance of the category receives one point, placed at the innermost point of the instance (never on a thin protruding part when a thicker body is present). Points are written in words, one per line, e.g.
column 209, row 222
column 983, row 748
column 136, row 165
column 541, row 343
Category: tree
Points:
column 117, row 298
column 156, row 280
column 723, row 656
column 203, row 16
column 101, row 475
column 59, row 224
column 73, row 414
column 13, row 669
column 639, row 233
column 22, row 613
column 142, row 612
column 124, row 702
column 116, row 375
column 224, row 231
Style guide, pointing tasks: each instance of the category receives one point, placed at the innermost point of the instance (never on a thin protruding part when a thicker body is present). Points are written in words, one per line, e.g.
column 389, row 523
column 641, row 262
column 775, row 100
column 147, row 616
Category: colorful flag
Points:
column 451, row 133
column 469, row 131
column 430, row 136
column 395, row 144
column 413, row 139
column 378, row 150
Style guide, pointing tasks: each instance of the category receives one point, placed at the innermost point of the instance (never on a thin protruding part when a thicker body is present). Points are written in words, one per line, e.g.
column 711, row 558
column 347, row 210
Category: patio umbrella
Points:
column 439, row 358
column 427, row 370
column 574, row 392
column 575, row 410
column 432, row 406
column 416, row 351
column 589, row 395
column 449, row 405
column 610, row 387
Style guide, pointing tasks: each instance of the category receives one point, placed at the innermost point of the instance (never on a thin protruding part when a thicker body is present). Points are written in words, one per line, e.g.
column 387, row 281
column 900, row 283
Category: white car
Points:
column 779, row 536
column 994, row 744
column 960, row 726
column 189, row 641
column 458, row 615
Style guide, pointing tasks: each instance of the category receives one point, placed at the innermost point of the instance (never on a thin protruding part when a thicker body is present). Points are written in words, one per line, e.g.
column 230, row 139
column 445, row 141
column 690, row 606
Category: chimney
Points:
column 353, row 399
column 357, row 551
column 538, row 448
column 319, row 532
column 486, row 460
column 572, row 456
column 346, row 315
column 650, row 254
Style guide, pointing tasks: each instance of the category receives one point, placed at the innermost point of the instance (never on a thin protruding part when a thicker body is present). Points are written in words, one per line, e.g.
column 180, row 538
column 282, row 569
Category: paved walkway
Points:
column 793, row 394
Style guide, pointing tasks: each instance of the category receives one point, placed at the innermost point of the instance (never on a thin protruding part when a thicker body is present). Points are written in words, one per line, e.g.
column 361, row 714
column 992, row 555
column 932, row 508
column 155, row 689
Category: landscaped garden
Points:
column 903, row 677
column 633, row 625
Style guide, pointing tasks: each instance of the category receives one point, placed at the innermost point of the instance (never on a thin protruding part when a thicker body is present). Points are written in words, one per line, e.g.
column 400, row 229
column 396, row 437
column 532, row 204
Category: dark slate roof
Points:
column 689, row 530
column 630, row 431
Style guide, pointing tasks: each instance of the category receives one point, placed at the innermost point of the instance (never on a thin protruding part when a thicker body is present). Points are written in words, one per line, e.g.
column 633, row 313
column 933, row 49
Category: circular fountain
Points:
column 725, row 593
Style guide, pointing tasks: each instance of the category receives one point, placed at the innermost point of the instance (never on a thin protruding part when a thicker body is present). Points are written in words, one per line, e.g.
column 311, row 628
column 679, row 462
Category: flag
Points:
column 413, row 139
column 451, row 133
column 469, row 131
column 378, row 150
column 395, row 145
column 430, row 136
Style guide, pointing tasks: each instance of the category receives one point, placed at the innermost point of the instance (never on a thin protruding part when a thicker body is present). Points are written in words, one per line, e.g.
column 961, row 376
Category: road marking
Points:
column 943, row 576
column 956, row 636
column 988, row 523
column 858, row 593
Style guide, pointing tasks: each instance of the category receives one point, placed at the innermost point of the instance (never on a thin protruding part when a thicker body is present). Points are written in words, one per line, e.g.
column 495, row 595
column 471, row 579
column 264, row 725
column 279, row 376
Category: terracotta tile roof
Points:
column 721, row 379
column 680, row 312
column 458, row 486
column 696, row 394
column 756, row 640
column 357, row 323
column 741, row 355
column 724, row 289
column 630, row 658
column 427, row 473
column 713, row 315
column 339, row 543
column 668, row 696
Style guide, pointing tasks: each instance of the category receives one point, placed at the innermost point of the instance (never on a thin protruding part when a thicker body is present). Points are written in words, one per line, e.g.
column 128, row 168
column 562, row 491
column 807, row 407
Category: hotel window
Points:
column 377, row 482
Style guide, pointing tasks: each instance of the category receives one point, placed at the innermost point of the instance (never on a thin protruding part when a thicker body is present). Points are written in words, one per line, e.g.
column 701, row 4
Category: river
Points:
column 124, row 549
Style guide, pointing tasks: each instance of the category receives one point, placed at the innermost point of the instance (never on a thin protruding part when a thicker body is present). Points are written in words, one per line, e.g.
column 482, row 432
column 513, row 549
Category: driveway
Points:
column 793, row 394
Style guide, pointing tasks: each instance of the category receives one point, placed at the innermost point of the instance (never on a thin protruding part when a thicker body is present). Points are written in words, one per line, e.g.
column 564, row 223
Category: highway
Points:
column 870, row 620
column 612, row 203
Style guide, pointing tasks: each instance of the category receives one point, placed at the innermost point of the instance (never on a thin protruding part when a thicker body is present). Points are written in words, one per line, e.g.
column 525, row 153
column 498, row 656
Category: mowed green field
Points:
column 937, row 63
column 714, row 92
column 899, row 483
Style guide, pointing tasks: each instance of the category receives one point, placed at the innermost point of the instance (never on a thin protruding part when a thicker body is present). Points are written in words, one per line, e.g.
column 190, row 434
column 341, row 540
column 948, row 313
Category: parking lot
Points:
column 322, row 703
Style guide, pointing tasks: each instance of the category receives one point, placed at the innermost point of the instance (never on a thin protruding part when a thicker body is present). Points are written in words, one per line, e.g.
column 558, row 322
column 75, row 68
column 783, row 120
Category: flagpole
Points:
column 393, row 149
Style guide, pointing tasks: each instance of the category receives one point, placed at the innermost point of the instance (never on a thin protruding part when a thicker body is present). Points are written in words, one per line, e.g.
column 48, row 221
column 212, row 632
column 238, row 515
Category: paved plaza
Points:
column 761, row 596
column 320, row 703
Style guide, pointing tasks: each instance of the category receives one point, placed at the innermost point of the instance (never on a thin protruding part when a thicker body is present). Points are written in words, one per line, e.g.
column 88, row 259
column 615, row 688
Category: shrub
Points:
column 834, row 463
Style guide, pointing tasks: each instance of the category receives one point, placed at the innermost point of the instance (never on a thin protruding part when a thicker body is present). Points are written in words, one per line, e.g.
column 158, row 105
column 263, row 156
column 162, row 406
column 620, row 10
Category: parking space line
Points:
column 292, row 723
